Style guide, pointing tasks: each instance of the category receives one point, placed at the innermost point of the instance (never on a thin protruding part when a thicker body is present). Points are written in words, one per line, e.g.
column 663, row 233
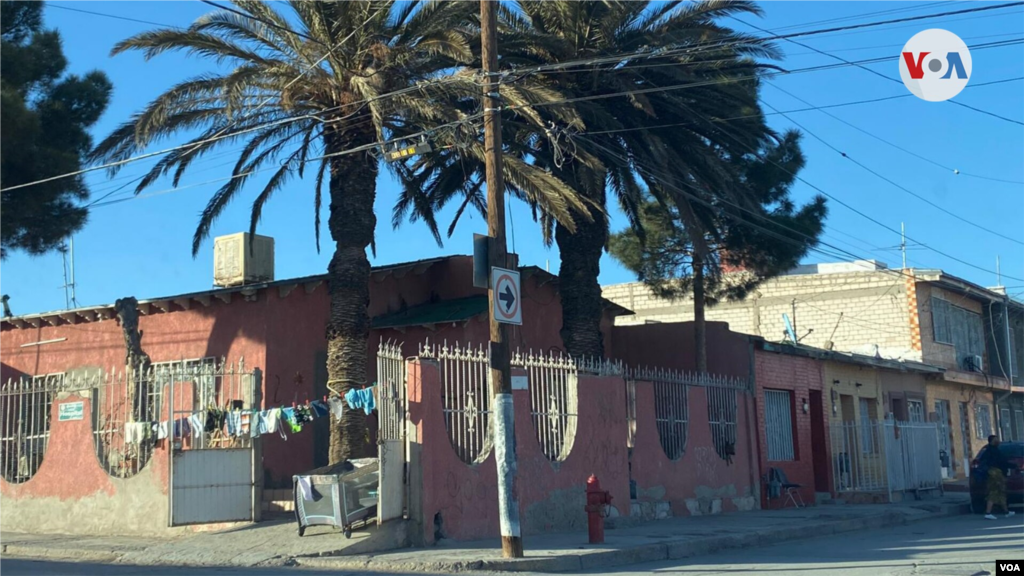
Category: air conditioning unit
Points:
column 236, row 263
column 972, row 363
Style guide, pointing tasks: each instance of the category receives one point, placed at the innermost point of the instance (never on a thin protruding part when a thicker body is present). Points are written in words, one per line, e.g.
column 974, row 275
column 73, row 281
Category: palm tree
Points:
column 322, row 84
column 647, row 119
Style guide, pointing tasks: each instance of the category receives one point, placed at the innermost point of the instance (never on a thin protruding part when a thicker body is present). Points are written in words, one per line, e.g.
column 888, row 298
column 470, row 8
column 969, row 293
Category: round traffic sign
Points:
column 506, row 292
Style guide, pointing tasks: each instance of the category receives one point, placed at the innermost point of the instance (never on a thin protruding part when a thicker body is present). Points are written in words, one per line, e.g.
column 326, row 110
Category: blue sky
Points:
column 141, row 247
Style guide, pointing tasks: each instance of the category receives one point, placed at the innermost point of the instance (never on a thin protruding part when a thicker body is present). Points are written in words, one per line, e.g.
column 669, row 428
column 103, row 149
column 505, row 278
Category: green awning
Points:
column 433, row 313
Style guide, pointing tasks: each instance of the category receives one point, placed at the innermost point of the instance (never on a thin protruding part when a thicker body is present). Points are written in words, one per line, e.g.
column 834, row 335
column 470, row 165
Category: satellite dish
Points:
column 789, row 327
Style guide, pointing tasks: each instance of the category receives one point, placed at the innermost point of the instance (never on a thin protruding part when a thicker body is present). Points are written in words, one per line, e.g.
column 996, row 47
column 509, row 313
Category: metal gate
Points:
column 214, row 463
column 912, row 456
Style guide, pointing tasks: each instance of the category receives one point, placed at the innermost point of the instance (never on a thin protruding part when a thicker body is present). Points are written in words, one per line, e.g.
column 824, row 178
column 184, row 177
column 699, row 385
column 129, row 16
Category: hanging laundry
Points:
column 319, row 408
column 256, row 425
column 234, row 421
column 288, row 414
column 214, row 420
column 272, row 419
column 161, row 430
column 136, row 432
column 303, row 414
column 182, row 428
column 245, row 417
column 337, row 407
column 197, row 422
column 361, row 399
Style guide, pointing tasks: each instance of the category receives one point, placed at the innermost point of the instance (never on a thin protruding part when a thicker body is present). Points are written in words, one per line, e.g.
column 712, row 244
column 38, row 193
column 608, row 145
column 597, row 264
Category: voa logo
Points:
column 1008, row 566
column 935, row 65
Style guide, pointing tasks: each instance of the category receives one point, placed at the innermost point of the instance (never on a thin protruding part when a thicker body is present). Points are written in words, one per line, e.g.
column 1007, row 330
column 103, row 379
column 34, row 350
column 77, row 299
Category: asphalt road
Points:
column 955, row 546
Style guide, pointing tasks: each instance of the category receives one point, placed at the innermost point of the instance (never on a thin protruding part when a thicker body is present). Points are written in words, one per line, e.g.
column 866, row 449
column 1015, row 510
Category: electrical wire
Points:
column 883, row 177
column 114, row 16
column 844, row 204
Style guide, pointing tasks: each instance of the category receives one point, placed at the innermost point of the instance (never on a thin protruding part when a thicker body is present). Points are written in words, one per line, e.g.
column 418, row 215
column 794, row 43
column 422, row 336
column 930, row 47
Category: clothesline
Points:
column 251, row 423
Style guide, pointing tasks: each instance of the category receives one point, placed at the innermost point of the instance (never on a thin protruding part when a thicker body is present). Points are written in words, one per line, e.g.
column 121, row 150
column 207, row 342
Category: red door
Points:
column 819, row 454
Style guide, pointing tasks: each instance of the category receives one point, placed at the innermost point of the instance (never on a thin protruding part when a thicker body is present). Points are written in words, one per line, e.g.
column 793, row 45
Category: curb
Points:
column 670, row 550
column 78, row 555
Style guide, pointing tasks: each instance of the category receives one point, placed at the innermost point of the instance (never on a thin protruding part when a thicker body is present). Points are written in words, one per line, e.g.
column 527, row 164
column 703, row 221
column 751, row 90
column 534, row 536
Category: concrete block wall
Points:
column 864, row 312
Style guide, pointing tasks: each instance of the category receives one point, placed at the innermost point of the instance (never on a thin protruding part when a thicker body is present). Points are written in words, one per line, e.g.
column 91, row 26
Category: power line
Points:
column 840, row 202
column 875, row 72
column 890, row 181
column 699, row 46
column 955, row 171
column 105, row 15
column 271, row 24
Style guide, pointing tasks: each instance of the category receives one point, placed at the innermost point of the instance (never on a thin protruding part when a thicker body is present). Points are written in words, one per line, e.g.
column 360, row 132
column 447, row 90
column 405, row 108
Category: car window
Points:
column 1014, row 450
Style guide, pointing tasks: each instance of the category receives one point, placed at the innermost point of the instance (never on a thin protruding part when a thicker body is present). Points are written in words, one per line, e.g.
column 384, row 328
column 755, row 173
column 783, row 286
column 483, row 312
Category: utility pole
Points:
column 501, row 373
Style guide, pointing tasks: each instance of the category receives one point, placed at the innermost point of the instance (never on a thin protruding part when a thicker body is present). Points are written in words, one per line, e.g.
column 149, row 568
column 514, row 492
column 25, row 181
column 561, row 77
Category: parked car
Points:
column 1014, row 452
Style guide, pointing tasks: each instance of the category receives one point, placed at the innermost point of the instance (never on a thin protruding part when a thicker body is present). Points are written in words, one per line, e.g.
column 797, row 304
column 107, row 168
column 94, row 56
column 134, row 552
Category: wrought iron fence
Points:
column 553, row 400
column 25, row 410
column 722, row 419
column 672, row 406
column 391, row 391
column 465, row 398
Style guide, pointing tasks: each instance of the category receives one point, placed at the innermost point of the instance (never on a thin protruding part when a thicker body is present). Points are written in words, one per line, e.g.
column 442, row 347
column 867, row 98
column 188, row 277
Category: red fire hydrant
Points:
column 597, row 500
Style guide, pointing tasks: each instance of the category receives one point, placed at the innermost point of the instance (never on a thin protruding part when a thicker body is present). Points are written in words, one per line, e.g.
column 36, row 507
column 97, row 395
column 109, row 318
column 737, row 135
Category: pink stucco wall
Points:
column 551, row 495
column 71, row 492
column 700, row 481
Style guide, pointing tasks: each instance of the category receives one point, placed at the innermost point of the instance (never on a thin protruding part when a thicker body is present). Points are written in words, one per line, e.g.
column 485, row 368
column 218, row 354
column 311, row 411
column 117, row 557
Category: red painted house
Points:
column 279, row 327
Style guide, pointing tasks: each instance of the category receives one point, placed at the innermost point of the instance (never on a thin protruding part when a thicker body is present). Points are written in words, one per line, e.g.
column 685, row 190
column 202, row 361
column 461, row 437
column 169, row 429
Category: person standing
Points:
column 998, row 468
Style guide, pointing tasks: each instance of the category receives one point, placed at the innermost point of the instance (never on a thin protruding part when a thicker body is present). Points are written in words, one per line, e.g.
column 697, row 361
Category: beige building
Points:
column 913, row 315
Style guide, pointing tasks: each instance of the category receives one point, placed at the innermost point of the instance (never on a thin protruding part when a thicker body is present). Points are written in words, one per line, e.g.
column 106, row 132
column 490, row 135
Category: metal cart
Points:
column 340, row 495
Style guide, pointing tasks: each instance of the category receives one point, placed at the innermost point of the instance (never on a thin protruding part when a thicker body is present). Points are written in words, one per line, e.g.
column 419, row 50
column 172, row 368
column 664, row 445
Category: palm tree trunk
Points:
column 577, row 283
column 699, row 327
column 353, row 188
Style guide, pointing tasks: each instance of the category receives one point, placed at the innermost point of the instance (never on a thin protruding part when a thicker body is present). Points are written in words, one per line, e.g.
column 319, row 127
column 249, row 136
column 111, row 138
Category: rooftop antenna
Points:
column 903, row 243
column 999, row 277
column 74, row 300
column 69, row 297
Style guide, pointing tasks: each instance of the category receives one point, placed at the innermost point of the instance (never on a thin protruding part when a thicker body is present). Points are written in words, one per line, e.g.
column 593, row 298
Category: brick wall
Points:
column 856, row 311
column 799, row 376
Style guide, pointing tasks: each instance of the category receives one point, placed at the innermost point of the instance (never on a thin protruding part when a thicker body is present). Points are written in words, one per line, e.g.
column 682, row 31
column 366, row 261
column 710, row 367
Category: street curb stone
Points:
column 672, row 549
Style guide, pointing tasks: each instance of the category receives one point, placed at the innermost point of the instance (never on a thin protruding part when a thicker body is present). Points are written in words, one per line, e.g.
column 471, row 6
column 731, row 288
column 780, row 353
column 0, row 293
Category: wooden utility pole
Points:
column 501, row 373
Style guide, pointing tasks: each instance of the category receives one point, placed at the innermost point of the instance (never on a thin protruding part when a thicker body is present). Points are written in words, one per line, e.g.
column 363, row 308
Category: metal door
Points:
column 214, row 457
column 965, row 435
column 212, row 486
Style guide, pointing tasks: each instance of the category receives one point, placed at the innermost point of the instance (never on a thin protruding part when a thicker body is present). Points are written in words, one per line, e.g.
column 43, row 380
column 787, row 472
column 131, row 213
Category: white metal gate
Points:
column 890, row 456
column 215, row 461
column 912, row 456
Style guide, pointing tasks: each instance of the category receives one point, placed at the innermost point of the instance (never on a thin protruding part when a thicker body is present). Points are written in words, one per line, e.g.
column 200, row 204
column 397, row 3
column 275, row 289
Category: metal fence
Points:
column 672, row 408
column 912, row 456
column 890, row 456
column 391, row 391
column 25, row 412
column 210, row 402
column 465, row 398
column 552, row 381
column 858, row 459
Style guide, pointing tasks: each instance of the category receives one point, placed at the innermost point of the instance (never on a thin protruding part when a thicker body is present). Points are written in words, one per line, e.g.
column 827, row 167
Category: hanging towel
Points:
column 234, row 420
column 256, row 426
column 305, row 488
column 132, row 434
column 273, row 420
column 245, row 419
column 197, row 422
column 337, row 407
column 319, row 408
column 361, row 399
column 161, row 430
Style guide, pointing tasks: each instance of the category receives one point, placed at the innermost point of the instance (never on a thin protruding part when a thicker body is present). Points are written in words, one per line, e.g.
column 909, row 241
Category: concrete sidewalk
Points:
column 277, row 544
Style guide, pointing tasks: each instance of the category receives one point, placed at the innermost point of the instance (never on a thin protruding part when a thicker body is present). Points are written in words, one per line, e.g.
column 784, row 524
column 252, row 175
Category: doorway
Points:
column 819, row 454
